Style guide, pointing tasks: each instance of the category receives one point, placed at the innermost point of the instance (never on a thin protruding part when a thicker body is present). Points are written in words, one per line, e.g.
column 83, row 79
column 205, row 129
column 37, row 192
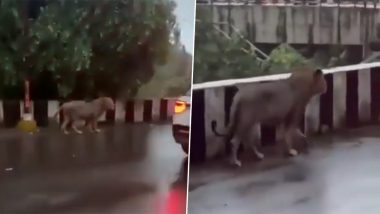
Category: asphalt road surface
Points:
column 136, row 168
column 340, row 175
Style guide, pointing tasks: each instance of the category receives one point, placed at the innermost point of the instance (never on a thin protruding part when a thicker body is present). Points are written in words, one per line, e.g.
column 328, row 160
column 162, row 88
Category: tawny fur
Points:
column 76, row 111
column 279, row 103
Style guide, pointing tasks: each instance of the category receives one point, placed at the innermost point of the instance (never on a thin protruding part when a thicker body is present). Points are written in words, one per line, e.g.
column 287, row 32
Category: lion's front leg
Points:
column 89, row 125
column 96, row 126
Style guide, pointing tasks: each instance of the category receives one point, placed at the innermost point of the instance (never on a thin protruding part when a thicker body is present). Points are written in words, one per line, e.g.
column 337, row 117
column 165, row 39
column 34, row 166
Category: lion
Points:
column 274, row 103
column 77, row 110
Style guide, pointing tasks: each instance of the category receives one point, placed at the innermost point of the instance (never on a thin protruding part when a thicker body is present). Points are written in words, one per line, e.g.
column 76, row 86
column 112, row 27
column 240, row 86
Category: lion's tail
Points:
column 213, row 127
column 232, row 122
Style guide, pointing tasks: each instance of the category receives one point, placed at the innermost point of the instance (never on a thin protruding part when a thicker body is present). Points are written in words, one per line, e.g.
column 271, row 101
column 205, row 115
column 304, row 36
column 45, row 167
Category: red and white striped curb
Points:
column 147, row 110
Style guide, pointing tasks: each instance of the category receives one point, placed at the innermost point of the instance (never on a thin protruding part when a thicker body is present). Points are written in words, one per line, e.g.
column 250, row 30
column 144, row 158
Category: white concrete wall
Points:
column 214, row 110
column 364, row 94
column 339, row 99
column 312, row 120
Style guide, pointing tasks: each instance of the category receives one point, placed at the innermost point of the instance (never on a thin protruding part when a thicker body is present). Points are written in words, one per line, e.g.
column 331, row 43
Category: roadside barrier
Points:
column 352, row 99
column 131, row 111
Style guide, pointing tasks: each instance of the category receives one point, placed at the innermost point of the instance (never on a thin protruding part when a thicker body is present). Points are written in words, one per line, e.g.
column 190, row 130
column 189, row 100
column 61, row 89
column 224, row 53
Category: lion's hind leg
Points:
column 236, row 141
column 66, row 121
column 95, row 124
column 75, row 128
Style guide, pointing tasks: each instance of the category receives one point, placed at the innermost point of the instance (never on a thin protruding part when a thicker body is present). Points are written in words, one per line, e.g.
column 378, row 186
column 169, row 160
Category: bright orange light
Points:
column 179, row 107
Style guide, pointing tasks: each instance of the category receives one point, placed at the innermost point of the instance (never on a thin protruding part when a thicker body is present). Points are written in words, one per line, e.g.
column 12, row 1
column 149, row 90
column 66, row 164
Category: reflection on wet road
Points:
column 124, row 169
column 338, row 178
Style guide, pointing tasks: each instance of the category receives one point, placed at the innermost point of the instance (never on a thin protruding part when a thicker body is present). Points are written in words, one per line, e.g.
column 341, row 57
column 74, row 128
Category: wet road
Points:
column 341, row 175
column 125, row 169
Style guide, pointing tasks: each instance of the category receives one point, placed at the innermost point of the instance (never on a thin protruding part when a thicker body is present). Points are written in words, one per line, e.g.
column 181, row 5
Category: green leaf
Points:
column 15, row 12
column 50, row 28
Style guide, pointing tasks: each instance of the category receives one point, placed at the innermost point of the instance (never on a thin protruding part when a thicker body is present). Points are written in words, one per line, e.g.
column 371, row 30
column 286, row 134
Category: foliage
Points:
column 217, row 57
column 282, row 59
column 112, row 45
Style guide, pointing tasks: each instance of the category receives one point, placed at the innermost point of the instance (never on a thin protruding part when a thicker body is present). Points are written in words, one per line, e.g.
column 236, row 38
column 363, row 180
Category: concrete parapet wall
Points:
column 300, row 24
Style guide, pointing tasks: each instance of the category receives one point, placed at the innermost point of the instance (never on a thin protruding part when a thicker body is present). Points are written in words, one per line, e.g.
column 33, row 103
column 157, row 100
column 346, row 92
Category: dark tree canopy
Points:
column 87, row 46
